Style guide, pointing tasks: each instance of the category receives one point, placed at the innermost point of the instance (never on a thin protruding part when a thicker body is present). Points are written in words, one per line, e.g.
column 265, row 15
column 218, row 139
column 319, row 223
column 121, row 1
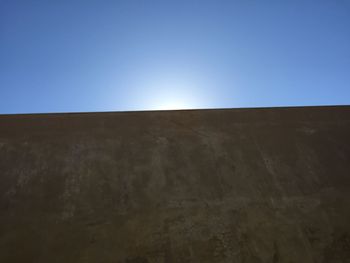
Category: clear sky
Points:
column 104, row 55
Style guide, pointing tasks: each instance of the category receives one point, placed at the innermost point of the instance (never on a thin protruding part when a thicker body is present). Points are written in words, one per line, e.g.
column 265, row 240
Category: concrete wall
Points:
column 241, row 185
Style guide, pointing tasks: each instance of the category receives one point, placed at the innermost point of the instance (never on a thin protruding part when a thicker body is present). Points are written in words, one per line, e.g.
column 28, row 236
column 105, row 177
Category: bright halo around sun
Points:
column 176, row 99
column 173, row 93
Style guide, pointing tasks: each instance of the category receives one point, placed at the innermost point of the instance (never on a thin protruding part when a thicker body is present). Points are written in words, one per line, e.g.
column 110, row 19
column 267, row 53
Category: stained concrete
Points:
column 240, row 185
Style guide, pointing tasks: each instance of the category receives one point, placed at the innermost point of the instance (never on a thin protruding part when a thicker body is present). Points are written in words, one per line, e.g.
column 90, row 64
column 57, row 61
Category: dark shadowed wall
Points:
column 241, row 185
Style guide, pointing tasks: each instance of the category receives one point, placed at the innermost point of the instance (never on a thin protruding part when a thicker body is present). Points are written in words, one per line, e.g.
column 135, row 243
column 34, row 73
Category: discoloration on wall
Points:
column 241, row 185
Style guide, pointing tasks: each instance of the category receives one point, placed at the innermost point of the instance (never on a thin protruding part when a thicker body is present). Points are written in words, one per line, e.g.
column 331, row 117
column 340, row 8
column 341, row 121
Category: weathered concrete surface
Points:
column 241, row 185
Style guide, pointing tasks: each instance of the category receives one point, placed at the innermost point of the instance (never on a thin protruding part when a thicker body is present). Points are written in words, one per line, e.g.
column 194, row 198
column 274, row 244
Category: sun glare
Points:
column 168, row 91
column 179, row 102
column 173, row 96
column 167, row 88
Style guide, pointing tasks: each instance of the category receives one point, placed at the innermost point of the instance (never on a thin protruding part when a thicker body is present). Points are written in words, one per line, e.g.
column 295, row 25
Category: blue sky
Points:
column 104, row 55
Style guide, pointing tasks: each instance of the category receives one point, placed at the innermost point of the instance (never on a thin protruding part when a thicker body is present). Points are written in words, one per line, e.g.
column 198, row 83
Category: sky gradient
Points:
column 69, row 56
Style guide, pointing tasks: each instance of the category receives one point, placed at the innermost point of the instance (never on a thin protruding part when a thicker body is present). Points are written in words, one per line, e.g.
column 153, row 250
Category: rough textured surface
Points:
column 242, row 185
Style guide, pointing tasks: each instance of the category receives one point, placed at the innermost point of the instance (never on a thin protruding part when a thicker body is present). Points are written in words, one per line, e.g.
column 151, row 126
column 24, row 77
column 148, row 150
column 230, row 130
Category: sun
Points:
column 172, row 93
column 177, row 97
column 171, row 102
column 167, row 89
